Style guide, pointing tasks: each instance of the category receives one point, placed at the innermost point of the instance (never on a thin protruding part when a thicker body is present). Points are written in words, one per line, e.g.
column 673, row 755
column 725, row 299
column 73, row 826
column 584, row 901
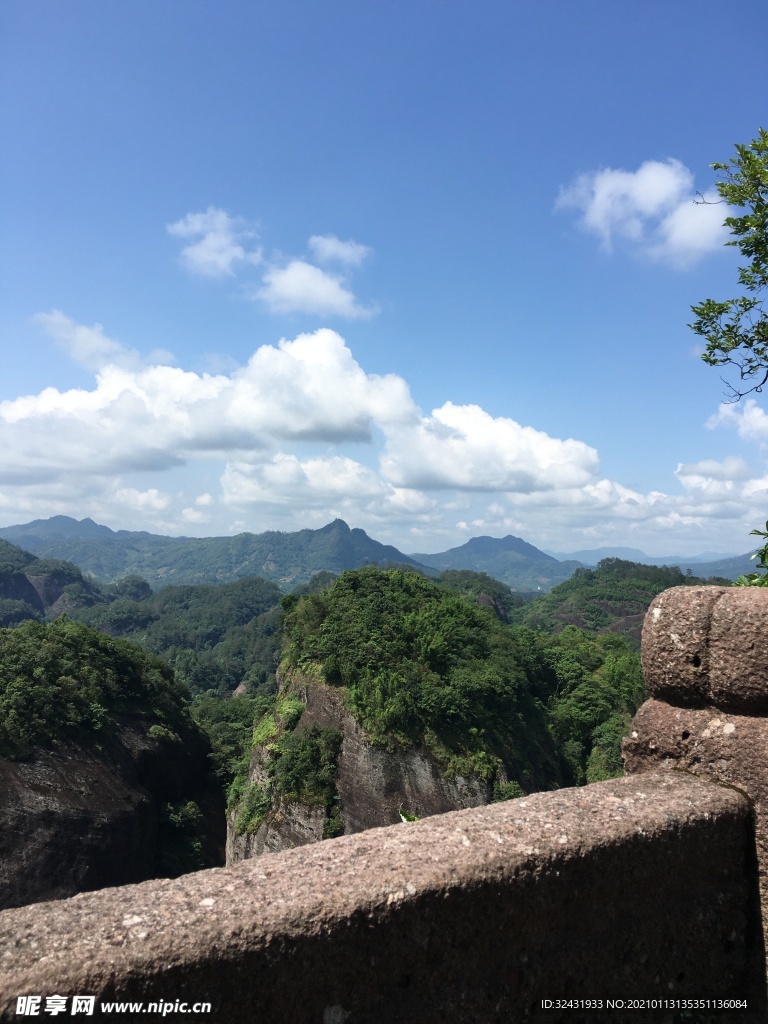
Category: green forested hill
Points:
column 510, row 559
column 285, row 558
column 417, row 663
column 62, row 680
column 614, row 596
column 215, row 637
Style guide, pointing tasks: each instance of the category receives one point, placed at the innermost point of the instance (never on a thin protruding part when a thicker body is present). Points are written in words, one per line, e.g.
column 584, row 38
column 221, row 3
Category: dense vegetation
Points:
column 63, row 680
column 420, row 660
column 420, row 664
column 614, row 596
column 215, row 637
column 509, row 559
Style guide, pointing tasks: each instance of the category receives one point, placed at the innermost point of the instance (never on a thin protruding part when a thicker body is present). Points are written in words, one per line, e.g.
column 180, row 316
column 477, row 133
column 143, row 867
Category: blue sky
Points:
column 424, row 266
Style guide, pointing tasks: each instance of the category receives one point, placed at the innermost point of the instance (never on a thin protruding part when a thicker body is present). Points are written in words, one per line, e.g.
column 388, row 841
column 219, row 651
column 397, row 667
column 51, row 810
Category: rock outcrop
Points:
column 374, row 785
column 705, row 663
column 75, row 818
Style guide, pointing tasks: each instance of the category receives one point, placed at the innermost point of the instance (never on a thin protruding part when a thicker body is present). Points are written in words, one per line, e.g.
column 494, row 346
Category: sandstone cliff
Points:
column 75, row 818
column 373, row 784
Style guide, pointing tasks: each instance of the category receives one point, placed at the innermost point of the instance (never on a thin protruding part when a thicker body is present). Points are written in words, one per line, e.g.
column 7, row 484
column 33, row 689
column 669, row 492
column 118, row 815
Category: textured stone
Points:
column 644, row 886
column 74, row 818
column 724, row 747
column 708, row 645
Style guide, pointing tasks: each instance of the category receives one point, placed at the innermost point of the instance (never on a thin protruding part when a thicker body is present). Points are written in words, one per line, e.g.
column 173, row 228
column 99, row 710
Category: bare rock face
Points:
column 374, row 784
column 73, row 818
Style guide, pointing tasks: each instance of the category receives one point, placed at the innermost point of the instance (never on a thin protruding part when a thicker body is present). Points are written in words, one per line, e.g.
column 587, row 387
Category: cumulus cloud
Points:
column 219, row 243
column 330, row 249
column 302, row 433
column 713, row 477
column 652, row 208
column 151, row 499
column 301, row 287
column 463, row 447
column 748, row 418
column 153, row 418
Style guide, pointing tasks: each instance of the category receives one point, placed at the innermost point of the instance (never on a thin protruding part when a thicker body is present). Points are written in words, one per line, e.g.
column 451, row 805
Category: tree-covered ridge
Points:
column 614, row 596
column 215, row 637
column 591, row 686
column 510, row 560
column 62, row 680
column 483, row 590
column 285, row 558
column 421, row 665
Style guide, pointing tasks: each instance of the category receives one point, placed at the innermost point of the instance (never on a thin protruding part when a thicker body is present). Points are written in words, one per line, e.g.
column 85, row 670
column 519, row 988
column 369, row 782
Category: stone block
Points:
column 708, row 645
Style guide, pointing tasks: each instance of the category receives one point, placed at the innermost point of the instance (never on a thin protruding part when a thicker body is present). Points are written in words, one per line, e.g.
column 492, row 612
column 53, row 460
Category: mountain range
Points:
column 706, row 564
column 290, row 559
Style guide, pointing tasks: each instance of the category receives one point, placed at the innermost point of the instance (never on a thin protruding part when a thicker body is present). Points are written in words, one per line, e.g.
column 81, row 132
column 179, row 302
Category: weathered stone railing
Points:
column 705, row 663
column 643, row 887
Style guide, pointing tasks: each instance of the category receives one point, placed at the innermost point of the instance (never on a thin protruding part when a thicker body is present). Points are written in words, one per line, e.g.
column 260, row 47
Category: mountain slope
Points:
column 614, row 597
column 285, row 558
column 32, row 588
column 509, row 559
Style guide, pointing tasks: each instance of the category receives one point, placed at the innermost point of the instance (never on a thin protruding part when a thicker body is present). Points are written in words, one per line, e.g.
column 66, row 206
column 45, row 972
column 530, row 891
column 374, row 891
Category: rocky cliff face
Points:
column 374, row 785
column 75, row 818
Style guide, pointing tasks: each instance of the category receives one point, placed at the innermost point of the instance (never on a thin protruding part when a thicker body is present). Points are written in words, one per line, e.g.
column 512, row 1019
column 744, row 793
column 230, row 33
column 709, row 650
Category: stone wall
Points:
column 705, row 663
column 639, row 887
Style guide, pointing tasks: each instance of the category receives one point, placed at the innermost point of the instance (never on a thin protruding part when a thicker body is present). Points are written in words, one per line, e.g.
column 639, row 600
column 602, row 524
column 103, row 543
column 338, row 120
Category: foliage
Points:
column 12, row 557
column 591, row 685
column 304, row 765
column 419, row 664
column 180, row 834
column 215, row 637
column 482, row 589
column 506, row 791
column 736, row 330
column 254, row 801
column 13, row 612
column 64, row 680
column 228, row 723
column 134, row 588
column 757, row 579
column 615, row 596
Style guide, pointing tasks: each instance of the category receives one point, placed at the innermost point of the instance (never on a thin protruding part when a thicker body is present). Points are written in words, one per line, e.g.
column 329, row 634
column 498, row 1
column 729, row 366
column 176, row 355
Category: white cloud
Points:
column 219, row 242
column 153, row 418
column 716, row 479
column 750, row 421
column 652, row 208
column 301, row 287
column 194, row 515
column 330, row 249
column 463, row 447
column 301, row 434
column 149, row 500
column 88, row 346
